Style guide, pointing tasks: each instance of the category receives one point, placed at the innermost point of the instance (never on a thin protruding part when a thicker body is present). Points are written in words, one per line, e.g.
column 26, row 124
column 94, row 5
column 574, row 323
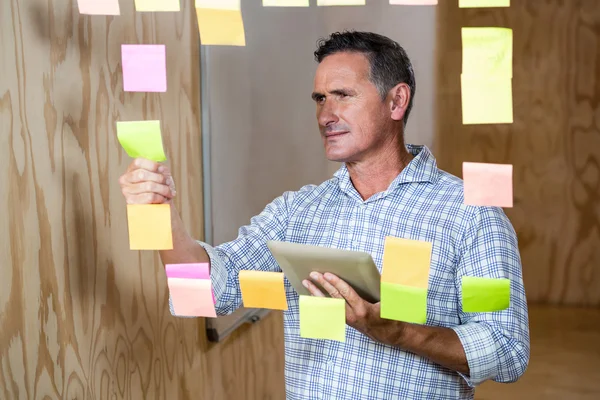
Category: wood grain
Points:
column 565, row 353
column 554, row 142
column 82, row 316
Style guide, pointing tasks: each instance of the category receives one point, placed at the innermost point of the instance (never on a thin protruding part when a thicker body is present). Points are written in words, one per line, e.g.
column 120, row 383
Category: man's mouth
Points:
column 335, row 133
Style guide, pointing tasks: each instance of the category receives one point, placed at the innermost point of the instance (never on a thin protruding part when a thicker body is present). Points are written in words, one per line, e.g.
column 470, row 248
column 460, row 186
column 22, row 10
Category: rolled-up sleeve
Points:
column 496, row 343
column 248, row 251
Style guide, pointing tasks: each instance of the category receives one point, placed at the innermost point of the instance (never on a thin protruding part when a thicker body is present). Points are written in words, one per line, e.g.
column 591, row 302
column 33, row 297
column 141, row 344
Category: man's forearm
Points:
column 440, row 345
column 185, row 248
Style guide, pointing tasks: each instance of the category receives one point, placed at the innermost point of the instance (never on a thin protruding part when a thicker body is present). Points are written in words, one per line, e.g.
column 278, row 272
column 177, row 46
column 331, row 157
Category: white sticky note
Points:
column 231, row 5
column 414, row 2
column 285, row 3
column 483, row 3
column 341, row 2
column 157, row 5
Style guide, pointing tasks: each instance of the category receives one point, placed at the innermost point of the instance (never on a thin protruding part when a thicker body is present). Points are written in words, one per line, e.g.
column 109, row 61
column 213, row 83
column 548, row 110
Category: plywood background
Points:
column 554, row 142
column 82, row 316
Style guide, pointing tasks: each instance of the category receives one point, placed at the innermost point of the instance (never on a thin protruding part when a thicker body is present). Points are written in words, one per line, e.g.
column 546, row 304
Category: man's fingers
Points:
column 146, row 198
column 143, row 175
column 144, row 163
column 147, row 187
column 312, row 288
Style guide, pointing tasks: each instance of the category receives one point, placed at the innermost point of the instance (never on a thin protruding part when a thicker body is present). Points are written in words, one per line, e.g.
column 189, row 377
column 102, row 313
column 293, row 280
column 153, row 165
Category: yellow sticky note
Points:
column 403, row 303
column 486, row 100
column 341, row 2
column 157, row 5
column 220, row 22
column 483, row 3
column 406, row 262
column 487, row 51
column 263, row 289
column 141, row 139
column 149, row 226
column 285, row 3
column 322, row 318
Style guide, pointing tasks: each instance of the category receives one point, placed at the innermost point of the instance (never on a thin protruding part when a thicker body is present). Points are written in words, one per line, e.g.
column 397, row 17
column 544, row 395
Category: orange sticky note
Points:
column 192, row 297
column 263, row 289
column 149, row 226
column 406, row 262
column 488, row 184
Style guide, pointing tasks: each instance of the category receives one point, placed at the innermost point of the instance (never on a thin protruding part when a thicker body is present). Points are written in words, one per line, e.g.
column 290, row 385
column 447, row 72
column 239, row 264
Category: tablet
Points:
column 356, row 268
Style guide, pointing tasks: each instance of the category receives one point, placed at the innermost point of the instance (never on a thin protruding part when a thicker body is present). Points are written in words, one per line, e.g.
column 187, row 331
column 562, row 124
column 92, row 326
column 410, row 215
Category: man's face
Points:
column 353, row 120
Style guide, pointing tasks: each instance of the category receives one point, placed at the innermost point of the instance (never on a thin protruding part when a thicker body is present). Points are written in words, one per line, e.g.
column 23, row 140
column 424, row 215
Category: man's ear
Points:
column 399, row 97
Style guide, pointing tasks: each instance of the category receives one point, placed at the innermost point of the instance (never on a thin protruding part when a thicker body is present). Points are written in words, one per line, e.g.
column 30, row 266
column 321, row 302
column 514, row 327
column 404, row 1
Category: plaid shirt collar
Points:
column 422, row 168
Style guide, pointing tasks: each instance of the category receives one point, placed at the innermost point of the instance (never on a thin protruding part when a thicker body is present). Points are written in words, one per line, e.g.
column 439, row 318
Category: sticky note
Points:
column 485, row 294
column 487, row 184
column 149, row 226
column 192, row 297
column 403, row 303
column 323, row 318
column 406, row 262
column 220, row 22
column 414, row 2
column 144, row 67
column 188, row 271
column 486, row 100
column 483, row 3
column 263, row 289
column 487, row 51
column 141, row 139
column 157, row 5
column 341, row 2
column 99, row 7
column 285, row 3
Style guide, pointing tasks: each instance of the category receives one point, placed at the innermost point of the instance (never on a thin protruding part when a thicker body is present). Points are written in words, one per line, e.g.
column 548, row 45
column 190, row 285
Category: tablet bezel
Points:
column 357, row 268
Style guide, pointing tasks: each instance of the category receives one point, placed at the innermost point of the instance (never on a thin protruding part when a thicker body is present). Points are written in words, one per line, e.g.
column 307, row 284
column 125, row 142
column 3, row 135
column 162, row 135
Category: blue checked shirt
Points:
column 422, row 203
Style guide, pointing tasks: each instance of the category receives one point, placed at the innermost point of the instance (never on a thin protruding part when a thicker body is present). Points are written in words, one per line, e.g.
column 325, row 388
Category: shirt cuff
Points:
column 218, row 273
column 218, row 277
column 478, row 342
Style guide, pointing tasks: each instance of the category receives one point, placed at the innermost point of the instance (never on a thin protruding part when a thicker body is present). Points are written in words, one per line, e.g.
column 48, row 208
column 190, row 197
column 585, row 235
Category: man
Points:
column 363, row 90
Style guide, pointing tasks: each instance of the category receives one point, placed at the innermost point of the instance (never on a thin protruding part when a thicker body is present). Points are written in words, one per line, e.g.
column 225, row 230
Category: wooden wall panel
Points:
column 82, row 316
column 554, row 142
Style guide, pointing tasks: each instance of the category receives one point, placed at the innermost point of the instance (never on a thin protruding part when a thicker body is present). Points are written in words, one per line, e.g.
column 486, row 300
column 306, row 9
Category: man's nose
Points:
column 327, row 114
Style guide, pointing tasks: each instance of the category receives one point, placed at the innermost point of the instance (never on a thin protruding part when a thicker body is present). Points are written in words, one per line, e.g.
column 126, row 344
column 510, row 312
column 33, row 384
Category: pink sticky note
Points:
column 488, row 184
column 99, row 7
column 189, row 271
column 192, row 297
column 144, row 67
column 414, row 2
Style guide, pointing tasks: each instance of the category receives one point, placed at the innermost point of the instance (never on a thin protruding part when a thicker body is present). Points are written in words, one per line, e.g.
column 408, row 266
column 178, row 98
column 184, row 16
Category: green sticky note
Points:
column 487, row 51
column 403, row 303
column 141, row 139
column 322, row 318
column 483, row 3
column 485, row 294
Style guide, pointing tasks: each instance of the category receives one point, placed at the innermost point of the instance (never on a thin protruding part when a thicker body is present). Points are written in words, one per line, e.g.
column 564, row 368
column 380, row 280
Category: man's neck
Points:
column 375, row 174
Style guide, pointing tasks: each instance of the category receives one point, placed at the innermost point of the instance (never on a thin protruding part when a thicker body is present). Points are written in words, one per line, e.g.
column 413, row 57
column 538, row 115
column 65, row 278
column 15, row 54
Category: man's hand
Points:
column 439, row 344
column 147, row 182
column 360, row 314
